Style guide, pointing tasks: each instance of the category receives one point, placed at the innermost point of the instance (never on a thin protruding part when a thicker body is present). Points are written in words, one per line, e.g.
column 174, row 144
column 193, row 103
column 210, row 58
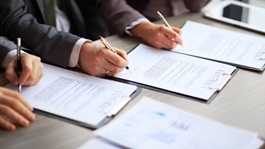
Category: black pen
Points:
column 19, row 66
column 107, row 45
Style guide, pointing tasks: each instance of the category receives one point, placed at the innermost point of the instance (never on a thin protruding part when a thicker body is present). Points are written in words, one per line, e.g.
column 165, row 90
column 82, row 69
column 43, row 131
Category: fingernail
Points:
column 11, row 127
column 32, row 117
column 25, row 123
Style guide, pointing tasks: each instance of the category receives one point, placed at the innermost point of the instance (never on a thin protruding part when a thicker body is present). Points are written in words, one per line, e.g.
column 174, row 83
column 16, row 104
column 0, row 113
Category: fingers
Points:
column 14, row 110
column 118, row 59
column 173, row 37
column 97, row 60
column 10, row 72
column 122, row 53
column 162, row 39
column 158, row 36
column 26, row 71
column 179, row 39
column 114, row 62
column 177, row 30
column 32, row 70
column 13, row 115
column 6, row 124
column 16, row 102
column 36, row 73
column 12, row 94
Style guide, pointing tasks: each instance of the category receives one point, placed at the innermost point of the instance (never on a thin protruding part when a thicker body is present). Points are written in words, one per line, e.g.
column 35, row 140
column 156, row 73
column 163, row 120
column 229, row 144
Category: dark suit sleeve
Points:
column 51, row 45
column 195, row 5
column 118, row 14
column 5, row 47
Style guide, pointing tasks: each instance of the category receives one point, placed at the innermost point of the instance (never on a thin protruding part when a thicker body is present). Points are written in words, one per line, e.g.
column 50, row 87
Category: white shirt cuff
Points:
column 133, row 24
column 75, row 52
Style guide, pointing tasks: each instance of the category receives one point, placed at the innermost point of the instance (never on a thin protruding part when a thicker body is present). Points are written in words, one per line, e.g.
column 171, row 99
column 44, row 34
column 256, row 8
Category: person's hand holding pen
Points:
column 28, row 73
column 97, row 60
column 109, row 47
column 158, row 36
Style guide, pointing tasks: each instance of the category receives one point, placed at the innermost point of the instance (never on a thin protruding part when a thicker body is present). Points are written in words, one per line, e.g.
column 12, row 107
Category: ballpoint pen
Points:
column 108, row 46
column 164, row 20
column 166, row 23
column 19, row 67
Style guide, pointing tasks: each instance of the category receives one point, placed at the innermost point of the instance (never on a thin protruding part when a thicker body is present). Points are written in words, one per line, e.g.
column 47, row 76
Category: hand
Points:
column 32, row 70
column 14, row 110
column 97, row 60
column 158, row 36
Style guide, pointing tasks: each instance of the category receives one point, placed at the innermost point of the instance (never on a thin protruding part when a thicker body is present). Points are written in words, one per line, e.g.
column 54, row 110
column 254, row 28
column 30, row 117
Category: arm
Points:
column 5, row 46
column 195, row 5
column 48, row 43
column 53, row 46
column 120, row 15
column 32, row 68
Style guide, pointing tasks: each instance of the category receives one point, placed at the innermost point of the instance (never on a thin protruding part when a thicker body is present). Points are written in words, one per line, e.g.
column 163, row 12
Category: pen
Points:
column 164, row 20
column 166, row 23
column 19, row 67
column 108, row 46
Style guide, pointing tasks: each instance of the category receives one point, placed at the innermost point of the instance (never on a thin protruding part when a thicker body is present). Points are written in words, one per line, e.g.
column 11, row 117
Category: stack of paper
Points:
column 155, row 125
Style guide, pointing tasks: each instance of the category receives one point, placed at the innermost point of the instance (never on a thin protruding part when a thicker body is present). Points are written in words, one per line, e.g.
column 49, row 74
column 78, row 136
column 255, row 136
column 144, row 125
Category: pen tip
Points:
column 182, row 46
column 19, row 88
column 127, row 67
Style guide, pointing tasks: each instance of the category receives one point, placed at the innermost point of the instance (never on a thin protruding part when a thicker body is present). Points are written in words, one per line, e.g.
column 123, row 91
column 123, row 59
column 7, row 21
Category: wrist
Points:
column 140, row 29
column 87, row 46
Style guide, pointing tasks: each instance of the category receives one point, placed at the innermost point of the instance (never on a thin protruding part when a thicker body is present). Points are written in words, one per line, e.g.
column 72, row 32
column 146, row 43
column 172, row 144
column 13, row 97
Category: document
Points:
column 222, row 45
column 176, row 73
column 99, row 143
column 76, row 96
column 159, row 125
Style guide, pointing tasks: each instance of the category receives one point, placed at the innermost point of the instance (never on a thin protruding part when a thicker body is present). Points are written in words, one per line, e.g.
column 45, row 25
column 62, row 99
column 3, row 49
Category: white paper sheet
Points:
column 98, row 143
column 175, row 72
column 152, row 124
column 223, row 45
column 74, row 95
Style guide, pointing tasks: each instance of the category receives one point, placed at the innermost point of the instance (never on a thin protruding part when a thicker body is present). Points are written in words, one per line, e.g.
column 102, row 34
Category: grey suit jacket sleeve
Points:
column 51, row 45
column 195, row 5
column 5, row 47
column 118, row 14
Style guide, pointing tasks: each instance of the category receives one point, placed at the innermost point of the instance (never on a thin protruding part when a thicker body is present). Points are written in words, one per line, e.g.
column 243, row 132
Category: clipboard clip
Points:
column 224, row 83
column 114, row 110
column 218, row 80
